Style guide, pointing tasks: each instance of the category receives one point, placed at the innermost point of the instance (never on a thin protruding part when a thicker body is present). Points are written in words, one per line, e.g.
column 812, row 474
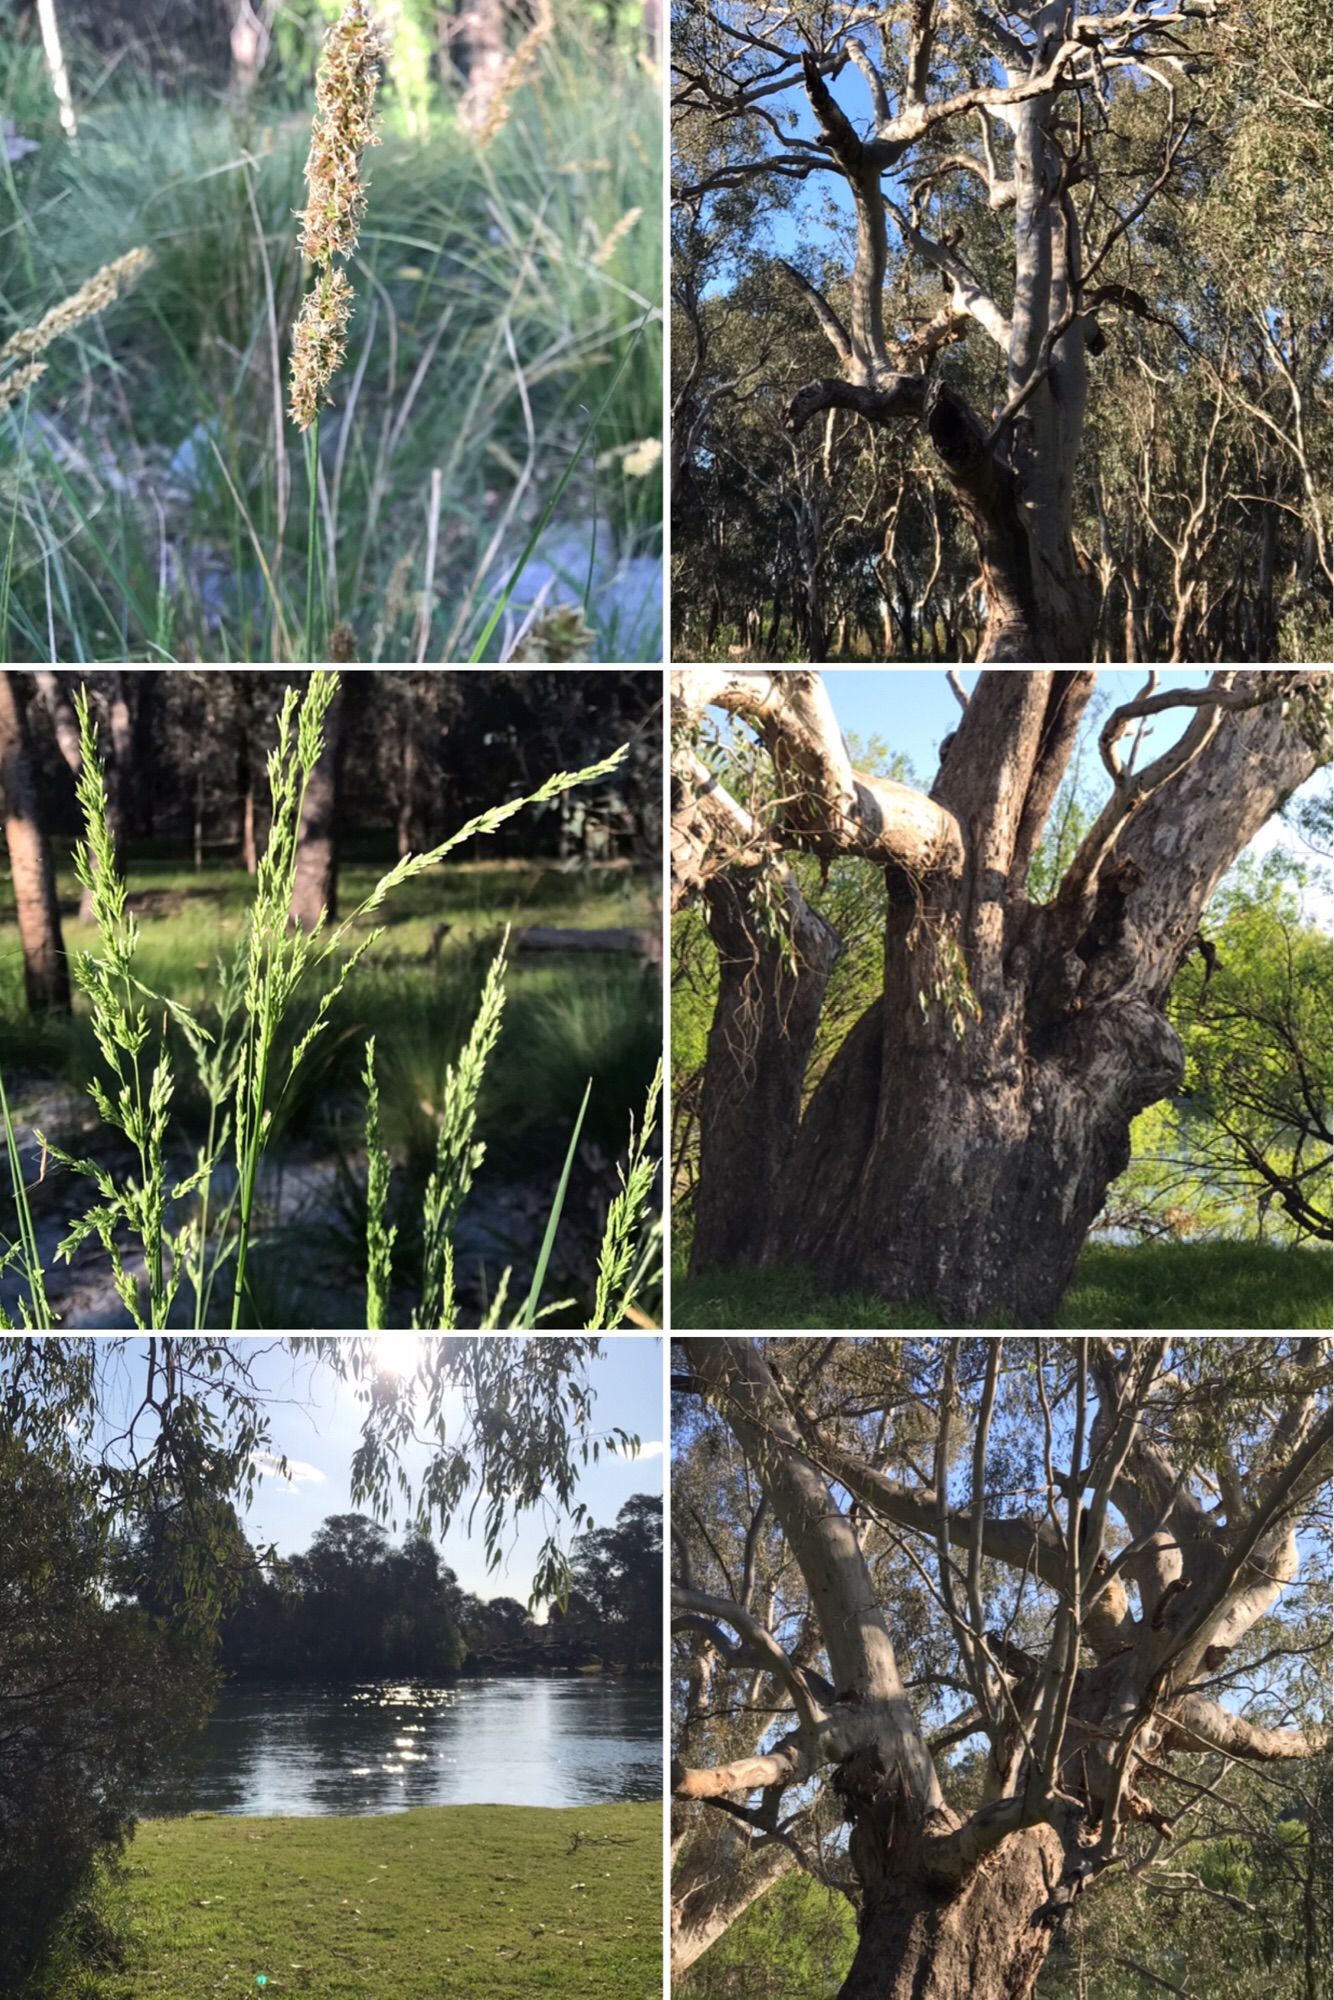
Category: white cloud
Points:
column 298, row 1472
column 648, row 1448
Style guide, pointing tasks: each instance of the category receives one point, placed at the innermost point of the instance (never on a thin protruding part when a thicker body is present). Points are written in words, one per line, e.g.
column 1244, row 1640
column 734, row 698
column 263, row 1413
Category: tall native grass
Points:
column 502, row 380
column 274, row 1001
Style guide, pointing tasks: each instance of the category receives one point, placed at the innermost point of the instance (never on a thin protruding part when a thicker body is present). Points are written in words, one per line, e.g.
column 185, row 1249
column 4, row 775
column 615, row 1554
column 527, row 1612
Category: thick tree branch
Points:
column 1203, row 1725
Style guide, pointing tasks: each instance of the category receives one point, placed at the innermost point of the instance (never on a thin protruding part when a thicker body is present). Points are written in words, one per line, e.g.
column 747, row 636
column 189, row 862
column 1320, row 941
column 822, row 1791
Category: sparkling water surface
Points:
column 378, row 1747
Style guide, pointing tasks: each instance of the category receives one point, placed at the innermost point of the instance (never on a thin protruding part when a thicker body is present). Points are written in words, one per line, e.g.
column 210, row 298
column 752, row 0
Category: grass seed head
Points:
column 516, row 72
column 319, row 342
column 344, row 127
column 19, row 383
column 100, row 291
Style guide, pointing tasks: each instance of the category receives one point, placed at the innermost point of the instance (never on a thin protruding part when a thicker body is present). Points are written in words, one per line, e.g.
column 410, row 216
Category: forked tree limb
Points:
column 825, row 806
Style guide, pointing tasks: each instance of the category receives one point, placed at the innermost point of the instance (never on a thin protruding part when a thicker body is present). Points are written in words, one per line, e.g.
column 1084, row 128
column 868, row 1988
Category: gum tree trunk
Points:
column 960, row 1145
column 981, row 1943
column 45, row 972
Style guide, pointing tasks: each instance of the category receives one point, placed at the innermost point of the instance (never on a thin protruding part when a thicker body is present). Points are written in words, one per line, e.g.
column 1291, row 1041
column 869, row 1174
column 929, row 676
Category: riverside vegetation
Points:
column 488, row 477
column 274, row 1005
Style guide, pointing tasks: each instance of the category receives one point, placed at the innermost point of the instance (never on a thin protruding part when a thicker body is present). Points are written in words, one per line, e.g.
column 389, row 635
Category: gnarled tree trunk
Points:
column 961, row 1142
column 966, row 1908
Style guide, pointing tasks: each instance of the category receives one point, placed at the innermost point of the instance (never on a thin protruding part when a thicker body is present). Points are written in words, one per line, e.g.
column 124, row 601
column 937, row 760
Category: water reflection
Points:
column 385, row 1746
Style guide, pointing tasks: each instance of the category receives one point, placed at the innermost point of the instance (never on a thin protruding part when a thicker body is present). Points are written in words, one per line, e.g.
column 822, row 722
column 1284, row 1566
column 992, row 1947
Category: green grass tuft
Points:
column 500, row 1901
column 158, row 501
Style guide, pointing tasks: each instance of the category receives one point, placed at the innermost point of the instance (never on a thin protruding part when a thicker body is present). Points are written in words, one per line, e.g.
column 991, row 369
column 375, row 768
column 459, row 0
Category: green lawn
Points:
column 501, row 1901
column 1199, row 1285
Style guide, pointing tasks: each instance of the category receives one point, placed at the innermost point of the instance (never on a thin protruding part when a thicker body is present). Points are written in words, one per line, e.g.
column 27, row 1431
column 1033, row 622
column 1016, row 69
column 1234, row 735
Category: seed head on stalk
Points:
column 343, row 128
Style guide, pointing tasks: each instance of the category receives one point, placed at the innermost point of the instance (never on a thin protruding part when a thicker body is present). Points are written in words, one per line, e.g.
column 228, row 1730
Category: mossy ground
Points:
column 501, row 1901
column 1203, row 1286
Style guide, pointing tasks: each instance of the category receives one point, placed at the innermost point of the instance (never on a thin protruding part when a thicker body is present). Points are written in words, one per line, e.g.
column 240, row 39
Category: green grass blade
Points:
column 589, row 431
column 528, row 1316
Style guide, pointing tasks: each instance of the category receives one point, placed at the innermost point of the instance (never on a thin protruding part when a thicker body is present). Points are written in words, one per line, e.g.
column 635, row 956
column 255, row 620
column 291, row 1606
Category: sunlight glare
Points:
column 397, row 1353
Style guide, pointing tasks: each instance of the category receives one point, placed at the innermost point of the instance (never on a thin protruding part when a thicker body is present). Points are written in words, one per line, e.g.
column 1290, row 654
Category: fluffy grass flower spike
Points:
column 100, row 291
column 343, row 128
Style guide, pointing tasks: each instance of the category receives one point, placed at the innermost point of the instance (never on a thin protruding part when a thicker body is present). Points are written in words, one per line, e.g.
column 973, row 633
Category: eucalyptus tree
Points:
column 1065, row 1560
column 956, row 1150
column 981, row 162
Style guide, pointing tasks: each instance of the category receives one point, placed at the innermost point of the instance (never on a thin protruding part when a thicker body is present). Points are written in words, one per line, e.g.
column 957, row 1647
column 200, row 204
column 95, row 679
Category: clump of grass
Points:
column 275, row 1000
column 624, row 1264
column 491, row 366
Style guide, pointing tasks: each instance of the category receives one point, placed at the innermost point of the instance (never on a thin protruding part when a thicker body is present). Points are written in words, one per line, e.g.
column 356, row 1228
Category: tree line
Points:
column 408, row 757
column 262, row 47
column 352, row 1606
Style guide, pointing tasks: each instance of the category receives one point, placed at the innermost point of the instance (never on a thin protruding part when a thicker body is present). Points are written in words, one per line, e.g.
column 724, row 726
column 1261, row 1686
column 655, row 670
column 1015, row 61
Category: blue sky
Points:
column 316, row 1423
column 913, row 709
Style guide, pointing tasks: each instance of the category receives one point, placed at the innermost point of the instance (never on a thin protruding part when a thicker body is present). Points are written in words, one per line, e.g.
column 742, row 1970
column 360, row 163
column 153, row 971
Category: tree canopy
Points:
column 992, row 1637
column 1001, row 332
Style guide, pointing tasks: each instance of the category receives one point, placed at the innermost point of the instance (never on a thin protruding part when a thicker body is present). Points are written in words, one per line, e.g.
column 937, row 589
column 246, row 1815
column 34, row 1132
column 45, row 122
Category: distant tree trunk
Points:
column 140, row 802
column 406, row 815
column 315, row 892
column 252, row 31
column 245, row 772
column 45, row 972
column 65, row 724
column 481, row 35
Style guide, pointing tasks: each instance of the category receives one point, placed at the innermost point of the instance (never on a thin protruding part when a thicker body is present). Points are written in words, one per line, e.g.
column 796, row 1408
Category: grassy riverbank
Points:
column 455, row 1901
column 1196, row 1285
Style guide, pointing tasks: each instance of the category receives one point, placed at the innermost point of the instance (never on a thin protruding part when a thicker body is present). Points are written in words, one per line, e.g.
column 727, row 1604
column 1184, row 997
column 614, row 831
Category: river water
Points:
column 378, row 1747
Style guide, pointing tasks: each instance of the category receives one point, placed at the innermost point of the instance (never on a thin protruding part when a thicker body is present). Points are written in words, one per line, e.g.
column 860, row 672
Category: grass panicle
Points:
column 21, row 382
column 93, row 297
column 459, row 1152
column 620, row 1267
column 343, row 128
column 381, row 1234
column 517, row 71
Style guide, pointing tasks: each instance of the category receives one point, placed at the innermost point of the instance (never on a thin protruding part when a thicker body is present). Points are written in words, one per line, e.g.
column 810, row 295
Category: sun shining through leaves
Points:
column 398, row 1354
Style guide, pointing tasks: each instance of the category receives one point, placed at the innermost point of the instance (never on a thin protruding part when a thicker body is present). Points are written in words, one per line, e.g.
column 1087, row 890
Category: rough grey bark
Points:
column 45, row 972
column 960, row 1145
column 965, row 1908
